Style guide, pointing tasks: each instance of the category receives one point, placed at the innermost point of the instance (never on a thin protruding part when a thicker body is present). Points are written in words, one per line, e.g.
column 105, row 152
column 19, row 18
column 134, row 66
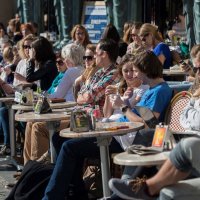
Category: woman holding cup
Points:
column 128, row 91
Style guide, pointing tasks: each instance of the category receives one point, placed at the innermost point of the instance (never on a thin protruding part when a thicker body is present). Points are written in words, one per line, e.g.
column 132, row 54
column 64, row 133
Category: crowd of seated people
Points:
column 115, row 74
column 20, row 71
column 36, row 134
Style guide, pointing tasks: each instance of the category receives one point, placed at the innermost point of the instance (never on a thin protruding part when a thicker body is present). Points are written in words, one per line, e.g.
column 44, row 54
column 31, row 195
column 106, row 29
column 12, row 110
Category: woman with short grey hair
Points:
column 72, row 55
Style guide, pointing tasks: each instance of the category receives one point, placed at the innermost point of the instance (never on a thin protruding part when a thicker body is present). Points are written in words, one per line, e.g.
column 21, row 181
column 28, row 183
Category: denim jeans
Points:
column 69, row 165
column 4, row 120
column 185, row 157
column 143, row 137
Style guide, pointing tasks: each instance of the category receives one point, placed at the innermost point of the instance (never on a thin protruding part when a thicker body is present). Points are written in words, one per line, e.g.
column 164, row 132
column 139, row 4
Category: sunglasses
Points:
column 59, row 62
column 87, row 57
column 26, row 47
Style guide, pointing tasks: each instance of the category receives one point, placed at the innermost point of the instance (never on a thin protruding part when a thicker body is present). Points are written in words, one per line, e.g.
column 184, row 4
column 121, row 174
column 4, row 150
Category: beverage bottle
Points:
column 97, row 113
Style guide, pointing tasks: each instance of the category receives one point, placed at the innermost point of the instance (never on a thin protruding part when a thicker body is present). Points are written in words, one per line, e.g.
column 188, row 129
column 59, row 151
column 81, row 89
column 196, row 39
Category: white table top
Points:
column 140, row 160
column 67, row 104
column 174, row 72
column 48, row 117
column 133, row 126
column 6, row 99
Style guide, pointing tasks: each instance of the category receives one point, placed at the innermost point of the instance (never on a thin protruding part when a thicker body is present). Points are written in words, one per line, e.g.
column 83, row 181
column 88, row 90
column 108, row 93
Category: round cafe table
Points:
column 52, row 119
column 24, row 108
column 175, row 74
column 66, row 104
column 103, row 136
column 141, row 160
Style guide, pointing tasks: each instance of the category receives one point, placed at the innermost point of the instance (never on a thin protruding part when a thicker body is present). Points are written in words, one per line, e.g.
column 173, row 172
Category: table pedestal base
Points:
column 103, row 143
column 52, row 128
column 9, row 160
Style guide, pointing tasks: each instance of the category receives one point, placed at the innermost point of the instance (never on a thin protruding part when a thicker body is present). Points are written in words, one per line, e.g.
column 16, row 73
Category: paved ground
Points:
column 6, row 176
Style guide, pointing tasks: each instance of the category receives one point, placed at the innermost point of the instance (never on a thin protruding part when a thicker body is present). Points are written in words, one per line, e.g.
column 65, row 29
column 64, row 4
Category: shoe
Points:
column 45, row 158
column 5, row 150
column 17, row 175
column 10, row 185
column 130, row 189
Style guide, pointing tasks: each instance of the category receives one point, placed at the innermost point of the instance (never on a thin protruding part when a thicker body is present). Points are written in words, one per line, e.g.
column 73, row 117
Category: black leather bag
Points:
column 33, row 181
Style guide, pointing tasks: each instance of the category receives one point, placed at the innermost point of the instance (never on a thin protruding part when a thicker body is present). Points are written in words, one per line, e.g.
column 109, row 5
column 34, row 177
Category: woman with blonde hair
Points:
column 130, row 89
column 134, row 39
column 24, row 47
column 80, row 35
column 126, row 32
column 20, row 71
column 90, row 69
column 194, row 72
column 153, row 40
column 9, row 66
column 14, row 28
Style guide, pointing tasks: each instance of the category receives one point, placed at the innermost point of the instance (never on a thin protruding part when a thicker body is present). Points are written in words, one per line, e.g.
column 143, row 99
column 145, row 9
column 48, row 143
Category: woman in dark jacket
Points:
column 42, row 65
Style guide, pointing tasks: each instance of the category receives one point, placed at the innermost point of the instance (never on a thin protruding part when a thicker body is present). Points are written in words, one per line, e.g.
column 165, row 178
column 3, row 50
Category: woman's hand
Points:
column 111, row 89
column 32, row 54
column 7, row 70
column 128, row 93
column 116, row 101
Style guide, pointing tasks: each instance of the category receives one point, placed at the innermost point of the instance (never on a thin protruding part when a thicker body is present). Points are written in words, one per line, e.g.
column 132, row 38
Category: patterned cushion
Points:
column 178, row 103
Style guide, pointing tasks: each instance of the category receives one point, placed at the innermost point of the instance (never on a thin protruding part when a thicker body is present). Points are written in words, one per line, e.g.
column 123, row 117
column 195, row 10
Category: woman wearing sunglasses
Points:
column 24, row 48
column 90, row 69
column 20, row 71
column 152, row 39
column 70, row 67
column 62, row 67
column 135, row 41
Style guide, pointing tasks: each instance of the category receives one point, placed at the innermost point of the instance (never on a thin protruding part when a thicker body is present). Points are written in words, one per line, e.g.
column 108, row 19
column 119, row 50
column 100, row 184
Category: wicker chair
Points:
column 177, row 104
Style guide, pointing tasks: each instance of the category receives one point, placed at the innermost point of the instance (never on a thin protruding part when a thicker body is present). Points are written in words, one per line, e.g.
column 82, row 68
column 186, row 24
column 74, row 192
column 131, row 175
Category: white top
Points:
column 21, row 69
column 127, row 140
column 190, row 117
column 65, row 87
column 138, row 92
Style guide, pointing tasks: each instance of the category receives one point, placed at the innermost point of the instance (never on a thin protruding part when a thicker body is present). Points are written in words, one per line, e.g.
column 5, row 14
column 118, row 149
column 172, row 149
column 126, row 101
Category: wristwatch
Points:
column 124, row 109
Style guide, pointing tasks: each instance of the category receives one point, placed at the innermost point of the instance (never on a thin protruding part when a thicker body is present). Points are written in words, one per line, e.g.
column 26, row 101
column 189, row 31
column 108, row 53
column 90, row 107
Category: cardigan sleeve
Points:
column 190, row 117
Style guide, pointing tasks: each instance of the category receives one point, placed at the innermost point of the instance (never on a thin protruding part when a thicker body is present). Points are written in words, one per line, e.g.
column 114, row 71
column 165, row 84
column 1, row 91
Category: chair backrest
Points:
column 177, row 104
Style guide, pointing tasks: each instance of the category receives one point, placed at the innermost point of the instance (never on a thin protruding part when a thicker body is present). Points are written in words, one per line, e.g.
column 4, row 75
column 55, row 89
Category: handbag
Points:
column 42, row 106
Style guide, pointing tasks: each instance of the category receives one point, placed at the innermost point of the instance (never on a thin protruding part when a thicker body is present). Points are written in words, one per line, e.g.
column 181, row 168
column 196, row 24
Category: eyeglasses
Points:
column 59, row 62
column 26, row 47
column 87, row 57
